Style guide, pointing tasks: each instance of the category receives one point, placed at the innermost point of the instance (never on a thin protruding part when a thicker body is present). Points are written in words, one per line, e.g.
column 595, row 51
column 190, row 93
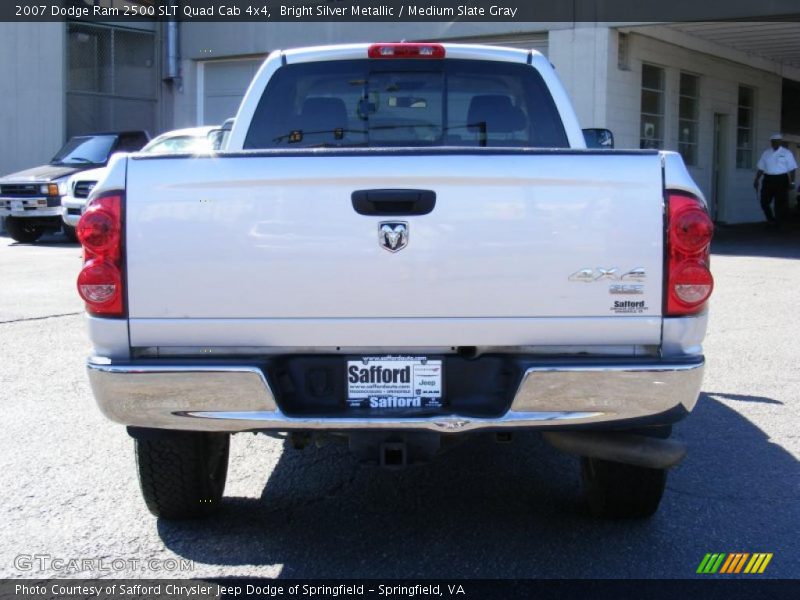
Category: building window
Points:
column 687, row 117
column 652, row 131
column 744, row 128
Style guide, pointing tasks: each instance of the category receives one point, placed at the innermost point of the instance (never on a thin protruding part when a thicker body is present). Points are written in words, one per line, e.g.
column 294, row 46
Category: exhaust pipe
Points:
column 626, row 448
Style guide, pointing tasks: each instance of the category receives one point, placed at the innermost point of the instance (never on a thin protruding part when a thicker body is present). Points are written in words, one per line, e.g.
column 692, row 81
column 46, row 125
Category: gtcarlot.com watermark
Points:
column 71, row 565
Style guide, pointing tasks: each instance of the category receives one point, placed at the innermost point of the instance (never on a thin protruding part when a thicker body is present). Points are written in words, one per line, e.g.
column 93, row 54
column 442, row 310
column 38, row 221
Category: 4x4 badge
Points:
column 613, row 274
column 393, row 235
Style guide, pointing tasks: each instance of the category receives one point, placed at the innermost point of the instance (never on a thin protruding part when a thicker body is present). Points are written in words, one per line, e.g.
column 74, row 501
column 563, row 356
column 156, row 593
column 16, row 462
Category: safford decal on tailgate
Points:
column 629, row 306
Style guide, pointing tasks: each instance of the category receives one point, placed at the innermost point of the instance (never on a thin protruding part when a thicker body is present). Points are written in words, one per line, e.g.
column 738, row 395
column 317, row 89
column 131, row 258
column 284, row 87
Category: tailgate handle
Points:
column 393, row 203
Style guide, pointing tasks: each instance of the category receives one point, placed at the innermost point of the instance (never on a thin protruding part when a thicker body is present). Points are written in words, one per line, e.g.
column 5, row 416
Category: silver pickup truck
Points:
column 403, row 244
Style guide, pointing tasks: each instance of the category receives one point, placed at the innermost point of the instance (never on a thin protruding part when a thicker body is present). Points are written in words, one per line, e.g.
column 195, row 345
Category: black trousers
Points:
column 775, row 187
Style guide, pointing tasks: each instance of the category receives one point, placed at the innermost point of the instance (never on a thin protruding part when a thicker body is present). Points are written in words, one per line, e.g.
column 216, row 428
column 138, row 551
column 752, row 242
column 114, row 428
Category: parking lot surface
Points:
column 483, row 510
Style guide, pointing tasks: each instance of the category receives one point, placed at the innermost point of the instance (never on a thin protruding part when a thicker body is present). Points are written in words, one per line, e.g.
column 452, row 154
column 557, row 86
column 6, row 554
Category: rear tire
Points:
column 70, row 233
column 182, row 474
column 616, row 490
column 23, row 230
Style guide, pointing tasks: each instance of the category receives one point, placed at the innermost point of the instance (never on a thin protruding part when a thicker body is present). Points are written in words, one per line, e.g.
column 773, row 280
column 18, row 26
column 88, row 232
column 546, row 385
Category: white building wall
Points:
column 581, row 58
column 719, row 85
column 32, row 101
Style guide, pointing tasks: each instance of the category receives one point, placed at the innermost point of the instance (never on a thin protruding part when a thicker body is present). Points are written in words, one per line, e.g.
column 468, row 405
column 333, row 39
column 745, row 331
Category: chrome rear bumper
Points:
column 209, row 397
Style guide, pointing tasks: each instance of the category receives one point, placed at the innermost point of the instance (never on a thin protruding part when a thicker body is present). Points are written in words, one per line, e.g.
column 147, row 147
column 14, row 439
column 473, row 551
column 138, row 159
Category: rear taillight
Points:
column 404, row 50
column 99, row 230
column 100, row 282
column 688, row 278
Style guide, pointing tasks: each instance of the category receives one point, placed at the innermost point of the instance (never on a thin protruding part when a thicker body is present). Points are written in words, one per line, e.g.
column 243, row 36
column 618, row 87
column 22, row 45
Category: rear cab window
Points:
column 408, row 103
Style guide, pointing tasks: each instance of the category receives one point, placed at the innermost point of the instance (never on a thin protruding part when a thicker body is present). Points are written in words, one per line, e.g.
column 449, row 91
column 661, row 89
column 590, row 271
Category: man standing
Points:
column 777, row 165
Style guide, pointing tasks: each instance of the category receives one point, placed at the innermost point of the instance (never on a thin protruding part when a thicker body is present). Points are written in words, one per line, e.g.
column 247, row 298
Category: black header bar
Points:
column 331, row 11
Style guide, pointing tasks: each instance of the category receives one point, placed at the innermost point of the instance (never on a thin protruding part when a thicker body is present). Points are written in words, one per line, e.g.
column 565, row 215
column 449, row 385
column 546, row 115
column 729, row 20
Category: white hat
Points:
column 776, row 136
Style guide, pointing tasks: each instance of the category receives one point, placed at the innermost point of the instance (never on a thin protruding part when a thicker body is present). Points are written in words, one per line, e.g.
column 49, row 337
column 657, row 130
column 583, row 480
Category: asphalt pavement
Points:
column 483, row 510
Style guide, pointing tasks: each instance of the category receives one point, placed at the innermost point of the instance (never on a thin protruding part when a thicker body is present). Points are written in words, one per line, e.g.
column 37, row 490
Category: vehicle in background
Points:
column 31, row 199
column 192, row 140
column 195, row 140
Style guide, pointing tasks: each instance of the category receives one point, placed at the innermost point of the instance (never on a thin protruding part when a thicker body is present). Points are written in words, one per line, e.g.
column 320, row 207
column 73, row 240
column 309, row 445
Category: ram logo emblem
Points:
column 393, row 235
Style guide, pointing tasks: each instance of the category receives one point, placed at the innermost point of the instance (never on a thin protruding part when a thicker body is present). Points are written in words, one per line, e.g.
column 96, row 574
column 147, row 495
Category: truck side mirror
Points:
column 599, row 138
column 219, row 136
column 215, row 137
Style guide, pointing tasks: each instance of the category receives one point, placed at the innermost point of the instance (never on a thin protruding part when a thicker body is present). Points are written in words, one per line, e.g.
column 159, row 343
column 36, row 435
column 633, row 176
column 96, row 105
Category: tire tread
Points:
column 174, row 476
column 22, row 231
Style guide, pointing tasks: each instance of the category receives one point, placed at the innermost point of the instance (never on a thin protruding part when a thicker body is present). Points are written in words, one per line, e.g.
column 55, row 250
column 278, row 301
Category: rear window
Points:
column 371, row 103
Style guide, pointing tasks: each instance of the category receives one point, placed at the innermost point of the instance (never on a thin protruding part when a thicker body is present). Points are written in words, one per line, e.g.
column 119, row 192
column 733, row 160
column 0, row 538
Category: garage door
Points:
column 222, row 86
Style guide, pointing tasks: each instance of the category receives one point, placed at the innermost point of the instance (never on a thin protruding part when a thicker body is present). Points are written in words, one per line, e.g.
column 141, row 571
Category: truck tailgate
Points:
column 546, row 238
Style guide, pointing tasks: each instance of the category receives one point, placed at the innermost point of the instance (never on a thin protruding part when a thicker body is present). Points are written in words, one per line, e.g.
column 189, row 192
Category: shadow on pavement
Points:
column 50, row 239
column 755, row 239
column 488, row 510
column 743, row 398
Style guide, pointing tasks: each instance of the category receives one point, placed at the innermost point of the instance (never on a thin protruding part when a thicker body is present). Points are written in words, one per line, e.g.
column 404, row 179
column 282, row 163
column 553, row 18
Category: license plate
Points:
column 394, row 382
column 16, row 205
